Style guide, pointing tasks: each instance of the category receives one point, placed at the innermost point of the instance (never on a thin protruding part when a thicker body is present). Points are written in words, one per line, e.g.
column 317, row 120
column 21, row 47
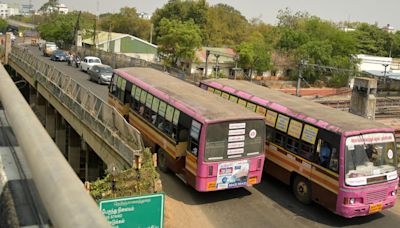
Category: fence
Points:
column 91, row 110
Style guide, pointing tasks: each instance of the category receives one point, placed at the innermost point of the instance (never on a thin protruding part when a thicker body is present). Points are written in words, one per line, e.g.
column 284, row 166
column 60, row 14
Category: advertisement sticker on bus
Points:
column 295, row 128
column 270, row 119
column 309, row 134
column 232, row 174
column 282, row 123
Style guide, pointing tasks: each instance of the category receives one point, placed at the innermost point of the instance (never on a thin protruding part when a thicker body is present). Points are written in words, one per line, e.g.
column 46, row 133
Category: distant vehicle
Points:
column 88, row 62
column 101, row 74
column 59, row 55
column 49, row 48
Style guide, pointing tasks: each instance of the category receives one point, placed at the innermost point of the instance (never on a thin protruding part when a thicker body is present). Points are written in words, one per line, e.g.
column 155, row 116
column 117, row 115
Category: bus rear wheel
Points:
column 162, row 162
column 302, row 189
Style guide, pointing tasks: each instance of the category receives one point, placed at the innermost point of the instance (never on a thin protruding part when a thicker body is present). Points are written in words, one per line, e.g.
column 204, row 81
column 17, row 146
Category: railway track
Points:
column 386, row 107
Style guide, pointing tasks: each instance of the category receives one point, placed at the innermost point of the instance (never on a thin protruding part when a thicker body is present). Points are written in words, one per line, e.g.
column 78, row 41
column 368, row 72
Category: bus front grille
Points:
column 373, row 197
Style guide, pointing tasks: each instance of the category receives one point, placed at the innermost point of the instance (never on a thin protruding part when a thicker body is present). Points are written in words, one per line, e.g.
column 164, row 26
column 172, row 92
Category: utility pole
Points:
column 109, row 40
column 299, row 77
column 216, row 65
column 206, row 66
column 151, row 33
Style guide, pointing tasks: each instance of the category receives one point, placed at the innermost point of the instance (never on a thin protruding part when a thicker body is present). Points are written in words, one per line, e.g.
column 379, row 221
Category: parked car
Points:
column 59, row 55
column 88, row 62
column 49, row 48
column 101, row 73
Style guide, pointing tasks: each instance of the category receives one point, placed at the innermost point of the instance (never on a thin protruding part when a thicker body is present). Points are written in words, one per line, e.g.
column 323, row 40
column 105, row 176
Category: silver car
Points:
column 101, row 74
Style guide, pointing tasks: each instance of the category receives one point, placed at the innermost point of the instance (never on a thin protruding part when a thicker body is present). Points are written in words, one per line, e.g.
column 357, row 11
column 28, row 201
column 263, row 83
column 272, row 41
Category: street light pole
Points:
column 384, row 76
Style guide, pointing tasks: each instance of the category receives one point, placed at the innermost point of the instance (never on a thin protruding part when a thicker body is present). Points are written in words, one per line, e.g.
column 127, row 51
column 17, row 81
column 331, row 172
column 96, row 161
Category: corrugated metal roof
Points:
column 224, row 54
column 378, row 73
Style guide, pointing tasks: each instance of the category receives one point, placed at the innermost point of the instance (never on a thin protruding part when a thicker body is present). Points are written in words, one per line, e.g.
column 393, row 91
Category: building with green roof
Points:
column 123, row 44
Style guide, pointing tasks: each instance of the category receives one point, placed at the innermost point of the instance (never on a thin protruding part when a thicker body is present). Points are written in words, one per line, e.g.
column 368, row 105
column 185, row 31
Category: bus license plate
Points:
column 373, row 208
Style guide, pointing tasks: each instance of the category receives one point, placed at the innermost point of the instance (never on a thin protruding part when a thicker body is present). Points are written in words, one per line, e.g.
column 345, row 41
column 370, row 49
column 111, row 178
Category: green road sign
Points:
column 141, row 211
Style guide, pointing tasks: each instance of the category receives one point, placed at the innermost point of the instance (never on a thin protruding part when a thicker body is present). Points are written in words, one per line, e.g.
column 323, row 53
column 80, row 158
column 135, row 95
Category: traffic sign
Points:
column 138, row 211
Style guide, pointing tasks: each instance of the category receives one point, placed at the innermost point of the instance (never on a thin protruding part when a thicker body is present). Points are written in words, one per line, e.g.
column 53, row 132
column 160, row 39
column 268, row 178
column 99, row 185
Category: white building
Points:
column 374, row 63
column 7, row 10
column 60, row 8
column 3, row 10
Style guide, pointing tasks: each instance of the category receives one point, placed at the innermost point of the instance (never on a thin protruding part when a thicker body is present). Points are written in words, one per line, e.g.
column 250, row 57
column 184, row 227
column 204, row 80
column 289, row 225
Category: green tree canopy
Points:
column 372, row 40
column 178, row 40
column 126, row 21
column 181, row 10
column 49, row 4
column 3, row 25
column 60, row 27
column 226, row 26
column 255, row 53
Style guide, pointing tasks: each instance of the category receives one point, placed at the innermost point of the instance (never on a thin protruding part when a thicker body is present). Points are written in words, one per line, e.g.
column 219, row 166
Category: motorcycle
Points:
column 77, row 61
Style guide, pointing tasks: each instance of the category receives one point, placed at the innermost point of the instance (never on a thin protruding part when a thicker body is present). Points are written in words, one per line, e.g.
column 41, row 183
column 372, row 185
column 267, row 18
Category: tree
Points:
column 178, row 40
column 254, row 54
column 372, row 40
column 60, row 27
column 226, row 26
column 181, row 10
column 3, row 25
column 51, row 4
column 126, row 21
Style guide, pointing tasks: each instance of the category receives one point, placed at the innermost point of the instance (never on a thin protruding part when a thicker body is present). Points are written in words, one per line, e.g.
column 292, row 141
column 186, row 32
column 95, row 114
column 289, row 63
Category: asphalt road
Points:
column 269, row 204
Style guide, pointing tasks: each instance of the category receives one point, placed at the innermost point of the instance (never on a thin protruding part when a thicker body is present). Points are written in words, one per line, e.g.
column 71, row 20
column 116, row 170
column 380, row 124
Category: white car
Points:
column 88, row 62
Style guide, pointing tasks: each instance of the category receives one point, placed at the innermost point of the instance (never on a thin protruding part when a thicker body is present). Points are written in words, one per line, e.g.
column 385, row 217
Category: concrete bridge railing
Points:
column 94, row 112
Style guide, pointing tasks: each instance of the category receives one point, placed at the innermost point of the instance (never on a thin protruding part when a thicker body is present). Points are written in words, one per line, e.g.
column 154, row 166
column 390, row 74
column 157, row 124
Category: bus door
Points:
column 193, row 148
column 324, row 174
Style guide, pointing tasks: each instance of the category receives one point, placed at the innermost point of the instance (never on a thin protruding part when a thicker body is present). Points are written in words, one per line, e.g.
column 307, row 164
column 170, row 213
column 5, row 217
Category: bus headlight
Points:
column 352, row 200
column 393, row 193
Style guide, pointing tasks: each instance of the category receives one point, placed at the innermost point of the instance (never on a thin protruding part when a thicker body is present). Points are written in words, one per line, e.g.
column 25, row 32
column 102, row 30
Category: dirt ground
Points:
column 178, row 214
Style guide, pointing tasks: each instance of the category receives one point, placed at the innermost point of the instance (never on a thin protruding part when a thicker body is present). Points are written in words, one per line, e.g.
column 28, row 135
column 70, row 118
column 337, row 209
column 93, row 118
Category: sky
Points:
column 382, row 12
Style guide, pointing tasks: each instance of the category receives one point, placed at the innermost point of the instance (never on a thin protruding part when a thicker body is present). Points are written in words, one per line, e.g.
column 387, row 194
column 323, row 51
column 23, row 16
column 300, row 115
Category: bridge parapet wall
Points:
column 91, row 110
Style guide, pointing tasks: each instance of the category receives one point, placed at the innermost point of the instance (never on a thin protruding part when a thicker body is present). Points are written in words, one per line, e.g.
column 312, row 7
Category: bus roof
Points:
column 309, row 111
column 189, row 98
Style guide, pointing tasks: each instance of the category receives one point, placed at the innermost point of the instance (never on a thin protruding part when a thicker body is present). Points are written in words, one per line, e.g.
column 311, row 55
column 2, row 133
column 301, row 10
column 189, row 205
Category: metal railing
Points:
column 91, row 110
column 116, row 60
column 61, row 191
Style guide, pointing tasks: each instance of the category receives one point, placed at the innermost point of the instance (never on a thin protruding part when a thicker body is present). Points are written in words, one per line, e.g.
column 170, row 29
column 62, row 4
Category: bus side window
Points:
column 184, row 124
column 292, row 144
column 270, row 133
column 121, row 93
column 280, row 138
column 323, row 153
column 334, row 163
column 306, row 150
column 113, row 85
column 127, row 94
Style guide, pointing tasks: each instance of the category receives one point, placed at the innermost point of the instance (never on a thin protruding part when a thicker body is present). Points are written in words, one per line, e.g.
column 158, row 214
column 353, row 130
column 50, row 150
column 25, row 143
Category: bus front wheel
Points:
column 162, row 160
column 302, row 189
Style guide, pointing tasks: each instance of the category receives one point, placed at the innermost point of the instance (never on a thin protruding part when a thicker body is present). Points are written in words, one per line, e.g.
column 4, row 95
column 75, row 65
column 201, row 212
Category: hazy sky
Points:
column 383, row 12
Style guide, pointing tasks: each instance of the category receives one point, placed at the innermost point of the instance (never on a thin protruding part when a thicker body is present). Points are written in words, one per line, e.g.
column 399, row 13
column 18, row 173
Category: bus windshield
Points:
column 370, row 158
column 231, row 140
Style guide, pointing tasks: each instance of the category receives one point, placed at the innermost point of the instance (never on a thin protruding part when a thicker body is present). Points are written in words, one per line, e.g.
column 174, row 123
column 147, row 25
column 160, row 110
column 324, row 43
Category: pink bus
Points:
column 342, row 161
column 210, row 144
